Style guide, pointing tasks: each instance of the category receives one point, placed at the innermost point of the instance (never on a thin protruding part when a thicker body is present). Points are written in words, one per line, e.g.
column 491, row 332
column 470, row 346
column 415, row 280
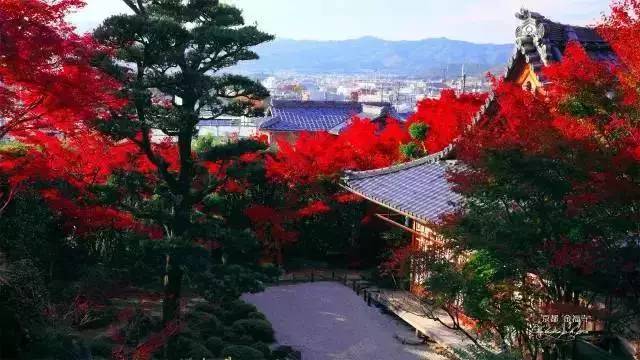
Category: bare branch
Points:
column 132, row 6
column 6, row 199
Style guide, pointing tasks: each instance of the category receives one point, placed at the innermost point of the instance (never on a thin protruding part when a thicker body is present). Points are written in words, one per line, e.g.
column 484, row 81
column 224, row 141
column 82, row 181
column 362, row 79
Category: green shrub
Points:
column 198, row 351
column 187, row 331
column 53, row 344
column 206, row 307
column 215, row 345
column 139, row 327
column 262, row 347
column 204, row 323
column 184, row 348
column 285, row 352
column 101, row 318
column 23, row 296
column 244, row 339
column 260, row 330
column 418, row 131
column 241, row 352
column 256, row 315
column 237, row 310
column 101, row 347
column 410, row 150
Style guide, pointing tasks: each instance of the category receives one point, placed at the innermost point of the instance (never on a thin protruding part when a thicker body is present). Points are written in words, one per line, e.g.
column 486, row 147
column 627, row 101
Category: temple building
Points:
column 417, row 194
column 286, row 119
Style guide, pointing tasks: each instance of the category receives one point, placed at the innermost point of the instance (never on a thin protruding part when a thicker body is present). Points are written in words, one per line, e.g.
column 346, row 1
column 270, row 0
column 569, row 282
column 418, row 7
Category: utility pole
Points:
column 463, row 81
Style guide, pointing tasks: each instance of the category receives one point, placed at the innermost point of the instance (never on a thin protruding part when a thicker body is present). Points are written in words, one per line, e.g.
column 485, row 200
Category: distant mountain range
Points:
column 429, row 57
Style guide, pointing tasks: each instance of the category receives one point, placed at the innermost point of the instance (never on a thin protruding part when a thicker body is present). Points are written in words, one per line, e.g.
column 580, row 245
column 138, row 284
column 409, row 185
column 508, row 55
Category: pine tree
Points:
column 170, row 55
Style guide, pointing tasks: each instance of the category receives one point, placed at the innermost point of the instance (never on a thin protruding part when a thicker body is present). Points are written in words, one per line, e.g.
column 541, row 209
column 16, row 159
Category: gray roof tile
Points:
column 294, row 115
column 418, row 189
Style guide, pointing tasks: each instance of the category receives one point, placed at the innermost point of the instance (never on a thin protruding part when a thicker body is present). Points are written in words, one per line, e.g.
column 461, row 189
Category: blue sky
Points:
column 485, row 21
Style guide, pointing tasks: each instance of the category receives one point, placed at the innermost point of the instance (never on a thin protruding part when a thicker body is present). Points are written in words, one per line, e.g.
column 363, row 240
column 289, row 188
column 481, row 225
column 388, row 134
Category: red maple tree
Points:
column 446, row 117
column 50, row 95
column 323, row 156
column 46, row 77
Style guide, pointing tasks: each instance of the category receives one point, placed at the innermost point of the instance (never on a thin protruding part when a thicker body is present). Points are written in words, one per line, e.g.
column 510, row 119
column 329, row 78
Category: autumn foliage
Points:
column 322, row 156
column 551, row 191
column 48, row 81
column 50, row 97
column 446, row 118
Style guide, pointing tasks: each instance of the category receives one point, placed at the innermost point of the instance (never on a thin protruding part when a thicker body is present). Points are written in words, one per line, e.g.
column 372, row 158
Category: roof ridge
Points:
column 524, row 14
column 399, row 167
column 314, row 103
column 268, row 121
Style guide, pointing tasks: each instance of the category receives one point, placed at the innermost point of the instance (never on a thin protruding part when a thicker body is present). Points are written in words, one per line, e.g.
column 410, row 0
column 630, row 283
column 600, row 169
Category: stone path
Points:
column 405, row 306
column 328, row 321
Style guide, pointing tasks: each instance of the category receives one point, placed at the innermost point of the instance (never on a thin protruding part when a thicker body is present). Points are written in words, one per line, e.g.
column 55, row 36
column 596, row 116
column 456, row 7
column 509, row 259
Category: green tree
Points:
column 169, row 54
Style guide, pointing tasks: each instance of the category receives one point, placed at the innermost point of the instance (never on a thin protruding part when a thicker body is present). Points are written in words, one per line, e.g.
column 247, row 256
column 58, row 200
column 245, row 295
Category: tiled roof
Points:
column 294, row 115
column 418, row 189
column 219, row 122
column 540, row 42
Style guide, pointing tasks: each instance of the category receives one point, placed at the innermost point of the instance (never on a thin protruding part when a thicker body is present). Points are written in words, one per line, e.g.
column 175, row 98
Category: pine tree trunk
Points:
column 173, row 273
column 172, row 286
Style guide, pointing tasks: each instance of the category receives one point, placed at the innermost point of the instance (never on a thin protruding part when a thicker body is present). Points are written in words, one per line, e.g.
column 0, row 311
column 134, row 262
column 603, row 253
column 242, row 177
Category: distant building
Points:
column 241, row 127
column 286, row 119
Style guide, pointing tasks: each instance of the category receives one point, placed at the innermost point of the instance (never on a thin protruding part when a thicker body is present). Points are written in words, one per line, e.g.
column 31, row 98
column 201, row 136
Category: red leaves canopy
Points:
column 447, row 117
column 585, row 122
column 322, row 156
column 47, row 78
column 49, row 96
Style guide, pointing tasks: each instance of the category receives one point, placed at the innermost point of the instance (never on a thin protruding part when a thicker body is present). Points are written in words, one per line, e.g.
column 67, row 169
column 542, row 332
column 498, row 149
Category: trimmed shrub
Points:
column 185, row 348
column 205, row 323
column 237, row 310
column 215, row 345
column 259, row 330
column 256, row 315
column 244, row 339
column 285, row 352
column 262, row 347
column 139, row 327
column 198, row 351
column 242, row 352
column 206, row 307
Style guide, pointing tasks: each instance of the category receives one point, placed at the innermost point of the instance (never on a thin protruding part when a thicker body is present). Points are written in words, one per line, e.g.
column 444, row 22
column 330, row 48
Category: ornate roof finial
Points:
column 523, row 14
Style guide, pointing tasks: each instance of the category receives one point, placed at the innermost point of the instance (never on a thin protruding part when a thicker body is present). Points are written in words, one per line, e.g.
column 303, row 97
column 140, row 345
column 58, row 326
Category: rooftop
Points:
column 541, row 42
column 296, row 115
column 418, row 189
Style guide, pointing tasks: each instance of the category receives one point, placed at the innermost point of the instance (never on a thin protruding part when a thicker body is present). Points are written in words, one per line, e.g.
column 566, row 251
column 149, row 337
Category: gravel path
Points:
column 328, row 321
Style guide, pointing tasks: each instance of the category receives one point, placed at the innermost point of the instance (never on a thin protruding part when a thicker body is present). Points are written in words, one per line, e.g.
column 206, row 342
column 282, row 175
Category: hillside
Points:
column 427, row 57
